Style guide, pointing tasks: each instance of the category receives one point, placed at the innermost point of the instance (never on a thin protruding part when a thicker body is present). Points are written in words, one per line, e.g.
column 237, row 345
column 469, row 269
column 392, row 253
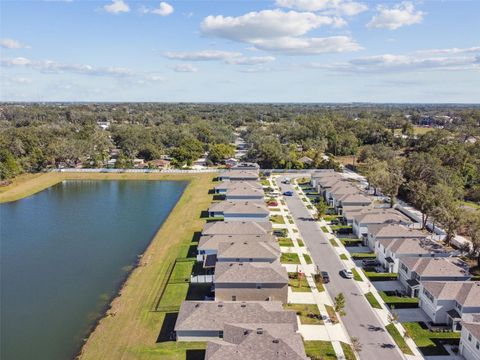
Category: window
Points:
column 259, row 286
column 469, row 337
column 478, row 345
column 234, row 298
column 404, row 268
column 220, row 334
column 428, row 295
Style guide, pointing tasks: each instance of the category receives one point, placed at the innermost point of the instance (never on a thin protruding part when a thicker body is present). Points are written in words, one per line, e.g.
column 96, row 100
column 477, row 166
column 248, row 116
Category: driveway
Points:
column 388, row 285
column 412, row 315
column 360, row 320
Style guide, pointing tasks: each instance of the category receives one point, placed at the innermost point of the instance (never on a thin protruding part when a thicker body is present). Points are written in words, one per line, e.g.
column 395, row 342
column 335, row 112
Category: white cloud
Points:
column 188, row 68
column 266, row 24
column 474, row 49
column 203, row 55
column 164, row 9
column 254, row 60
column 399, row 15
column 280, row 31
column 339, row 7
column 117, row 7
column 52, row 67
column 308, row 46
column 11, row 44
column 418, row 61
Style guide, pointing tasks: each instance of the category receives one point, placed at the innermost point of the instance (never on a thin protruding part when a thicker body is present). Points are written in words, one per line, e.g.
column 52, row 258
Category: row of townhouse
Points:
column 246, row 320
column 425, row 268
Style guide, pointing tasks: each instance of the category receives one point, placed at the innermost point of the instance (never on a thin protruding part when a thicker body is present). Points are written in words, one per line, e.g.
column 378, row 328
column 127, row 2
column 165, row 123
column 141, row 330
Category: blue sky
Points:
column 240, row 51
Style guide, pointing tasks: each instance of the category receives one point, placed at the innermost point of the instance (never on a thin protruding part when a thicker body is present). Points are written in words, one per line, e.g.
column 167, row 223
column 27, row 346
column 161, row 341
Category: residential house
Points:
column 254, row 341
column 231, row 162
column 327, row 182
column 159, row 164
column 250, row 281
column 244, row 192
column 349, row 200
column 237, row 228
column 381, row 216
column 246, row 166
column 306, row 161
column 447, row 302
column 413, row 270
column 209, row 244
column 248, row 251
column 240, row 211
column 235, row 174
column 470, row 339
column 320, row 174
column 390, row 251
column 206, row 320
column 348, row 212
column 338, row 190
column 391, row 230
column 227, row 185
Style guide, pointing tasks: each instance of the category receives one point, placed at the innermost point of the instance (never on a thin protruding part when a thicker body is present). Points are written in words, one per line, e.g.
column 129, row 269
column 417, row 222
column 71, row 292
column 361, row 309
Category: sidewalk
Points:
column 365, row 285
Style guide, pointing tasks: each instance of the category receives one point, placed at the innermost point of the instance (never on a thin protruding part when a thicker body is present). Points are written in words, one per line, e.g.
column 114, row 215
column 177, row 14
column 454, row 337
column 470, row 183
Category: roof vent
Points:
column 259, row 331
column 197, row 305
column 275, row 341
column 243, row 305
column 220, row 305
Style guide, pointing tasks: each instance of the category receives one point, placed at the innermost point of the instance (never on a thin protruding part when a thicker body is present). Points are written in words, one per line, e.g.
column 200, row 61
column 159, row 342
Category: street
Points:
column 360, row 320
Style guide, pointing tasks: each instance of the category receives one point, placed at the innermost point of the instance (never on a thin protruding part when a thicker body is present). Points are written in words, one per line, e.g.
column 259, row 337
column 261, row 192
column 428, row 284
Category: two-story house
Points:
column 240, row 211
column 470, row 339
column 447, row 302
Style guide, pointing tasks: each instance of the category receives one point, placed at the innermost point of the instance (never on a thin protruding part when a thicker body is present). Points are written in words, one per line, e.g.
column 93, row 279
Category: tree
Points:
column 339, row 304
column 8, row 165
column 447, row 210
column 473, row 231
column 321, row 207
column 373, row 170
column 389, row 178
column 220, row 152
column 422, row 198
column 356, row 344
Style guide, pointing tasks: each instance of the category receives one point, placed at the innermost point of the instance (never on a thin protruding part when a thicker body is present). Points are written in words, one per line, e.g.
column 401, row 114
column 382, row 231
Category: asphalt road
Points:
column 360, row 320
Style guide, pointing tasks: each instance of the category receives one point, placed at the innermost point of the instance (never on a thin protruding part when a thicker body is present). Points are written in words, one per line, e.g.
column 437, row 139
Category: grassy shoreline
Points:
column 130, row 328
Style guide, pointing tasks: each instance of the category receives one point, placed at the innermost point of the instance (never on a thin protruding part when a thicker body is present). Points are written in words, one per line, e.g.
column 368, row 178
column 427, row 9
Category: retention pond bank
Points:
column 64, row 253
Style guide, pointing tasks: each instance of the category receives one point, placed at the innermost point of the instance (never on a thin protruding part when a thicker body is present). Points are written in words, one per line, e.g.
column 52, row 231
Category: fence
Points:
column 164, row 171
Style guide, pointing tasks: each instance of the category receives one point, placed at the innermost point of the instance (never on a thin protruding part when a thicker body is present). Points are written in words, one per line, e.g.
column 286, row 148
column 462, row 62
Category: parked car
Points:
column 288, row 193
column 325, row 277
column 369, row 262
column 346, row 273
column 286, row 181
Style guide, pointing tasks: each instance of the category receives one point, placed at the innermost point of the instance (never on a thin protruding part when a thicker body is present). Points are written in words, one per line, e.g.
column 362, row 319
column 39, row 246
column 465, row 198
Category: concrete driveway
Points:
column 388, row 285
column 360, row 320
column 412, row 315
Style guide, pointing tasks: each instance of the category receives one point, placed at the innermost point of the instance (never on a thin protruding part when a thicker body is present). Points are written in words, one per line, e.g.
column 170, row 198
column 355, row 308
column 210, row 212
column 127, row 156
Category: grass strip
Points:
column 398, row 338
column 373, row 302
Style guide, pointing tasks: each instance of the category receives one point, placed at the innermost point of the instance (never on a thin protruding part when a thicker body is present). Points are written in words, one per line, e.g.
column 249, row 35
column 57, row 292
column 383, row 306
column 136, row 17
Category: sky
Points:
column 240, row 51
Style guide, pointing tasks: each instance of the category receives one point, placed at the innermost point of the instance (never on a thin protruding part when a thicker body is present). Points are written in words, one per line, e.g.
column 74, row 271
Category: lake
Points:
column 64, row 253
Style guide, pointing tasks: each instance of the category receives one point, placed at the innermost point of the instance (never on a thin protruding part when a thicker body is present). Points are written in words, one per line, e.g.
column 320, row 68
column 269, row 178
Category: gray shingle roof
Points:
column 249, row 249
column 381, row 216
column 466, row 293
column 395, row 230
column 240, row 207
column 473, row 328
column 257, row 342
column 240, row 174
column 213, row 315
column 237, row 228
column 213, row 241
column 433, row 267
column 250, row 272
column 239, row 184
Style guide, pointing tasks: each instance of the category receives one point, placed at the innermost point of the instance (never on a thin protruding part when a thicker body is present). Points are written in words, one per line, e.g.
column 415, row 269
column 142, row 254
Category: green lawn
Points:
column 277, row 219
column 373, row 276
column 309, row 207
column 296, row 286
column 173, row 296
column 324, row 229
column 333, row 242
column 300, row 243
column 308, row 313
column 429, row 342
column 348, row 351
column 182, row 271
column 307, row 258
column 350, row 242
column 265, row 182
column 356, row 275
column 343, row 257
column 320, row 350
column 398, row 338
column 331, row 313
column 331, row 217
column 393, row 300
column 284, row 241
column 360, row 256
column 373, row 302
column 290, row 258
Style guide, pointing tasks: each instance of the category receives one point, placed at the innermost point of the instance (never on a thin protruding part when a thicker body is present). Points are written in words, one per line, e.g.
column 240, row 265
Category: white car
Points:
column 347, row 273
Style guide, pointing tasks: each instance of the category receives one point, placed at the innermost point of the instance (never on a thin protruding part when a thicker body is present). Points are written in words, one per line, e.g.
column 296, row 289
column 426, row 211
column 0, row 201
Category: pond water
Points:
column 64, row 252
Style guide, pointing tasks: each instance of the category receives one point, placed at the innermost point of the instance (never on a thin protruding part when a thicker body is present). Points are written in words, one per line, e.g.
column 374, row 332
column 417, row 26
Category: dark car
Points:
column 325, row 277
column 288, row 193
